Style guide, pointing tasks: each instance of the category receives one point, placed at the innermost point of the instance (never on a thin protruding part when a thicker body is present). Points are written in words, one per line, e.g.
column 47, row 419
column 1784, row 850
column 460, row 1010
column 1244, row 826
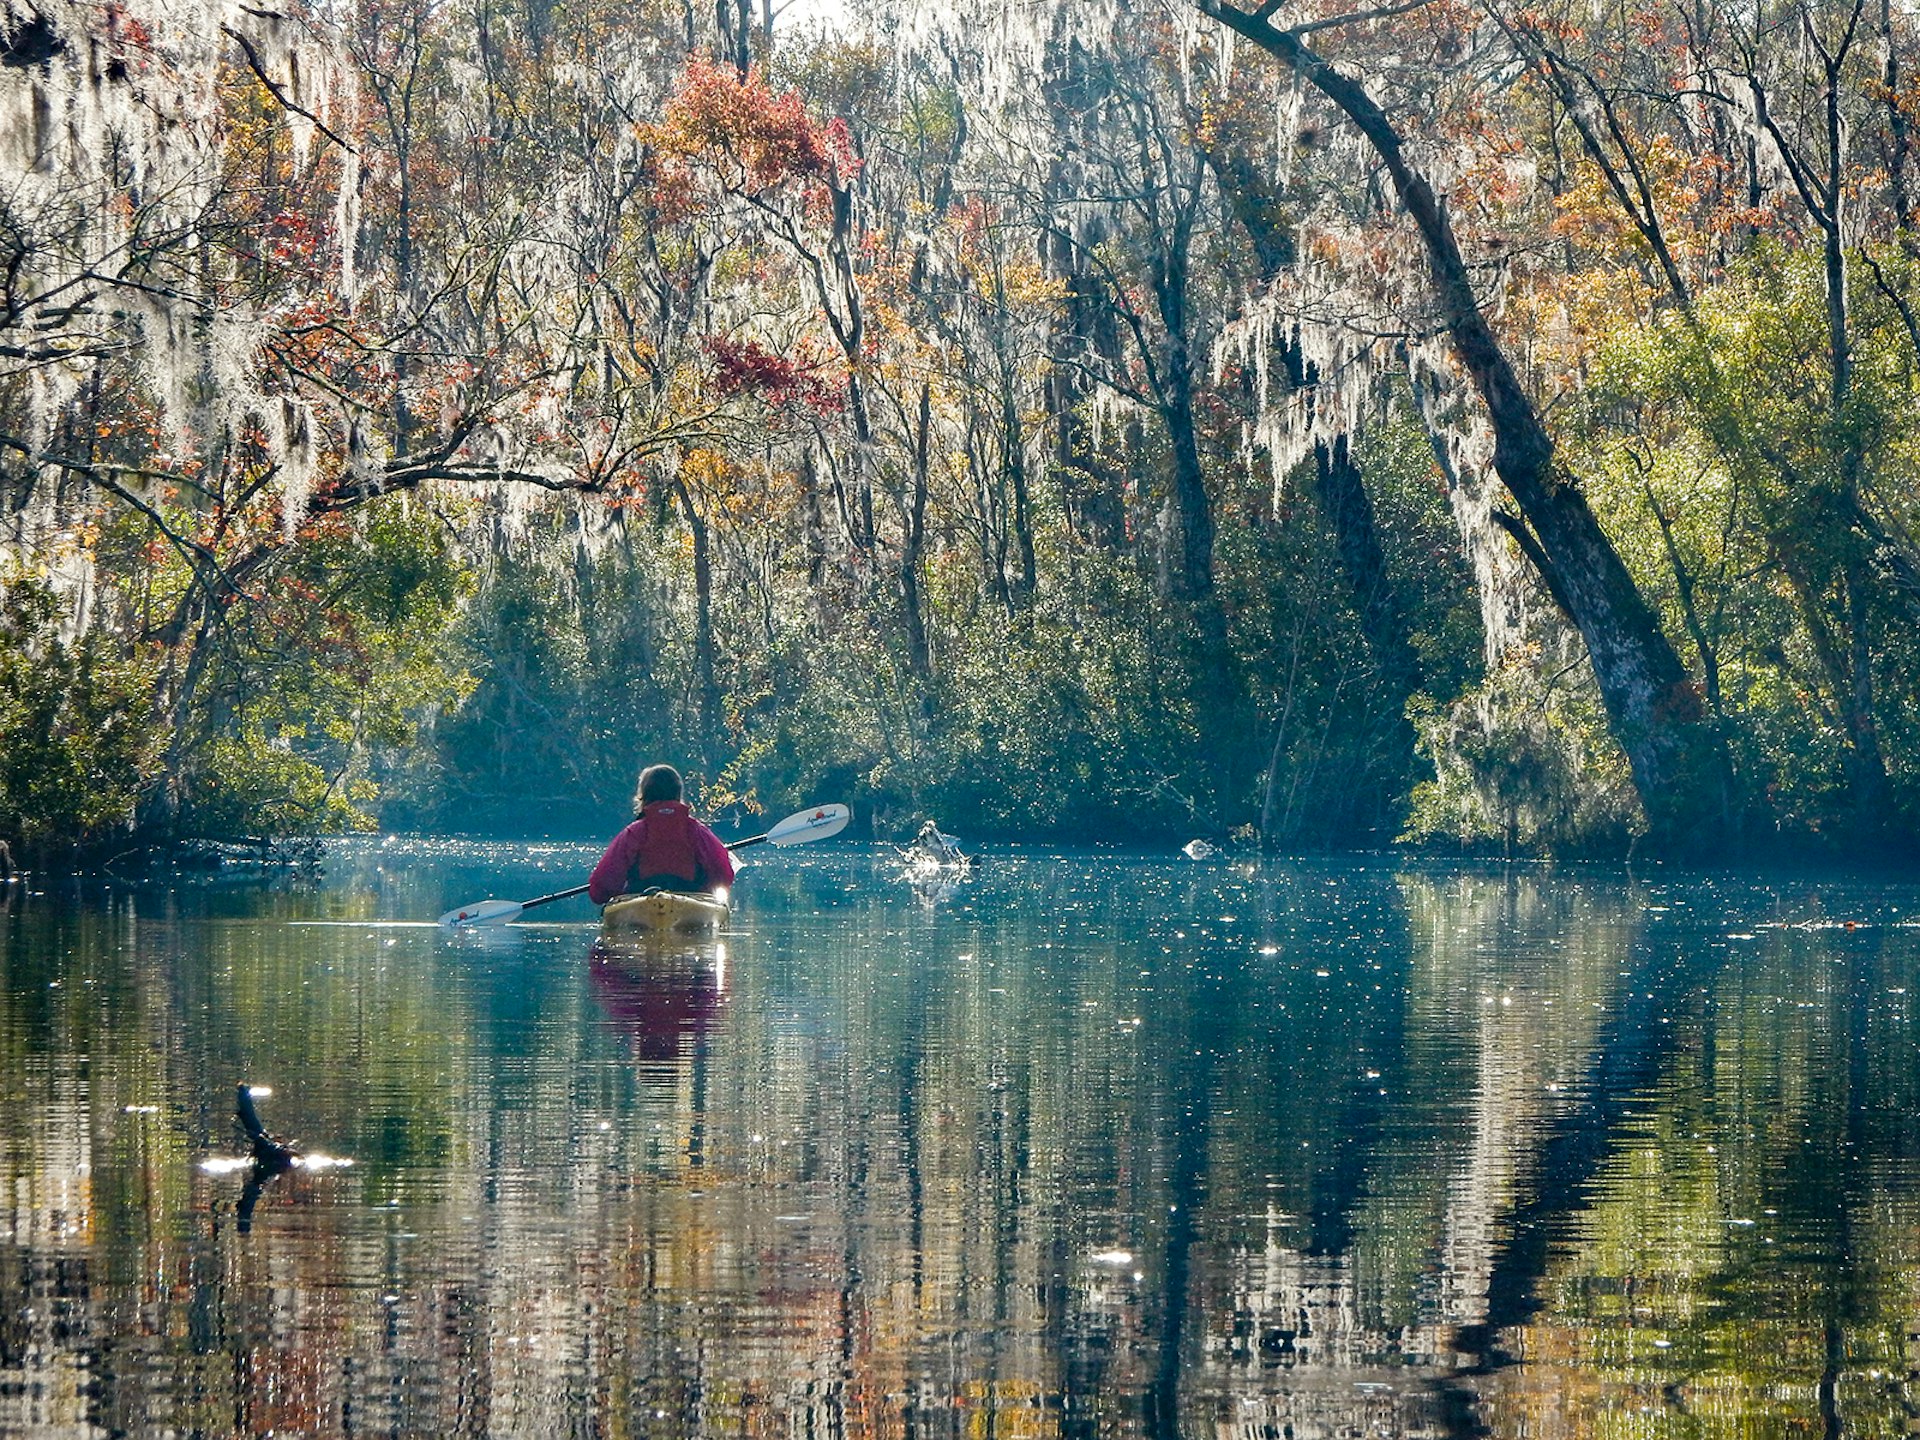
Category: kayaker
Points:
column 665, row 848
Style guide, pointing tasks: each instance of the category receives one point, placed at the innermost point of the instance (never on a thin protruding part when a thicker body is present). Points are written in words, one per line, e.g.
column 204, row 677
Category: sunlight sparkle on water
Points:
column 705, row 1171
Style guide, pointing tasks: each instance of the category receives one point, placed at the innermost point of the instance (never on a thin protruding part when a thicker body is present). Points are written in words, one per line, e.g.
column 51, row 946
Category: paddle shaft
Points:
column 557, row 895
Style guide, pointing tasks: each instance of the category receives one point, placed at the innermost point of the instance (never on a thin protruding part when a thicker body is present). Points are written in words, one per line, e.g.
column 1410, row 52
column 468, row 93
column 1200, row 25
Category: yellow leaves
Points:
column 1596, row 301
column 1206, row 126
column 1020, row 285
column 748, row 497
column 1693, row 197
column 704, row 471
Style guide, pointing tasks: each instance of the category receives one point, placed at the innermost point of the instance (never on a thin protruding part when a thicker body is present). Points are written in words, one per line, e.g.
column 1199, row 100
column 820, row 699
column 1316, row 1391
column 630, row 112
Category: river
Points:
column 1083, row 1145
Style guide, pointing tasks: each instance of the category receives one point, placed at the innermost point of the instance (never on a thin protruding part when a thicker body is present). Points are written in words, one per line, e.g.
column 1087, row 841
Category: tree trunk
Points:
column 708, row 719
column 813, row 523
column 1844, row 644
column 1193, row 561
column 1191, row 568
column 733, row 20
column 1872, row 792
column 913, row 539
column 1679, row 762
column 1092, row 497
column 840, row 299
column 1262, row 213
column 1013, row 441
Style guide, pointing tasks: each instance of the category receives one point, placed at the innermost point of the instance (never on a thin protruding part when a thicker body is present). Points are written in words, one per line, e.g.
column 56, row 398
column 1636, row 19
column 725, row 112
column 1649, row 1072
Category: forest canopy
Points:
column 1453, row 422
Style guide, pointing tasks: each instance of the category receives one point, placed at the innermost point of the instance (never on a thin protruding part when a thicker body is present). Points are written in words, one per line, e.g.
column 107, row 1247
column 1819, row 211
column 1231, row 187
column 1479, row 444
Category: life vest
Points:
column 666, row 859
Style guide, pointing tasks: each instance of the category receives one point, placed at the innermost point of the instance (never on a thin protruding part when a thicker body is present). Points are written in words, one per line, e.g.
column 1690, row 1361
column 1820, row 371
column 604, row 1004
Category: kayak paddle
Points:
column 797, row 829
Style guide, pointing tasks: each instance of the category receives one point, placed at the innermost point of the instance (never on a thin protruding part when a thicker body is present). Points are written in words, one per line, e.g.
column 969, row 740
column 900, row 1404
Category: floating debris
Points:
column 1199, row 850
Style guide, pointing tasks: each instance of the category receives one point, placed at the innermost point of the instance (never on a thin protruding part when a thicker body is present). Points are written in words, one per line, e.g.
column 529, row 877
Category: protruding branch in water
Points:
column 271, row 1154
column 271, row 1157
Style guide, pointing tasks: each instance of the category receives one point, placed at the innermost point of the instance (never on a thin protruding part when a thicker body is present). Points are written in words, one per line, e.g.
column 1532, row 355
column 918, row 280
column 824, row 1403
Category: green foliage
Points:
column 1422, row 542
column 578, row 682
column 77, row 748
column 264, row 778
column 319, row 692
column 1756, row 512
column 1524, row 764
column 1075, row 715
column 1336, row 763
column 1072, row 720
column 911, row 416
column 1318, row 751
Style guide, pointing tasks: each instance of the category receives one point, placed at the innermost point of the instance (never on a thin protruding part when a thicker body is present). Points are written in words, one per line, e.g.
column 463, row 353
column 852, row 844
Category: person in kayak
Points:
column 665, row 848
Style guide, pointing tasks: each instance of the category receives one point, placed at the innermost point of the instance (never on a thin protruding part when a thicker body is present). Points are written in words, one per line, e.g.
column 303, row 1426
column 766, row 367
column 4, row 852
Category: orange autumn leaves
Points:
column 750, row 142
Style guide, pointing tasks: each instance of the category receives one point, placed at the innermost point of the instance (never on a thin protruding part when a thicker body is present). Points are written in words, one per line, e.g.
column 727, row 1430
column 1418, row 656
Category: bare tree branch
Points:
column 259, row 68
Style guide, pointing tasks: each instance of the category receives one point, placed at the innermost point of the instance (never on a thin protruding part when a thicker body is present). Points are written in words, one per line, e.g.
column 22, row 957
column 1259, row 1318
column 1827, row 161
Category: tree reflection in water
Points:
column 1095, row 1147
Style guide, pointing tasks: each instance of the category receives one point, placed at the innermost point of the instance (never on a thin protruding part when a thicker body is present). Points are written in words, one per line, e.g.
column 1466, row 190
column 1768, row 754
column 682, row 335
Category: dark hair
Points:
column 657, row 782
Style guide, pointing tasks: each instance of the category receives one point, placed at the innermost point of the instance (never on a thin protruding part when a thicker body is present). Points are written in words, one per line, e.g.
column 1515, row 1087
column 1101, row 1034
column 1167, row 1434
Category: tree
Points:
column 1680, row 765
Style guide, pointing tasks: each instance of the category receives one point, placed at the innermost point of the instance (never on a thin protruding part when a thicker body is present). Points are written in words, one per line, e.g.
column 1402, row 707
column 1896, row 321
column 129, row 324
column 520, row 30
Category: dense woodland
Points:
column 1457, row 422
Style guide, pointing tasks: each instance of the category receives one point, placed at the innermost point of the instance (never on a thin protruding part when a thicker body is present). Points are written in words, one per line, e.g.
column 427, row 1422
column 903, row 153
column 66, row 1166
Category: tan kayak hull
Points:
column 665, row 912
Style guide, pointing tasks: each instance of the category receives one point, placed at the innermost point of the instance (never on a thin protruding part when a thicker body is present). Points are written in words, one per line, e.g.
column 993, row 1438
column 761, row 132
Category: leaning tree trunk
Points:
column 1680, row 764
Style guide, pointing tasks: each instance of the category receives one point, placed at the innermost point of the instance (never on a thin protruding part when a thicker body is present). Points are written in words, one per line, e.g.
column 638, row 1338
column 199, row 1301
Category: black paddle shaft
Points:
column 557, row 895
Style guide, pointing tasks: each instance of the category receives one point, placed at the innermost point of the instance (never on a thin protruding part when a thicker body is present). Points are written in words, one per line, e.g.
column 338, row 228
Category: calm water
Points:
column 1089, row 1146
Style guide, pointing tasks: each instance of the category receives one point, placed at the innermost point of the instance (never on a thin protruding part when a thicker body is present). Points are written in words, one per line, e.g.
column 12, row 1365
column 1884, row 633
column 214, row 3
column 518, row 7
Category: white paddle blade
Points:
column 815, row 824
column 486, row 912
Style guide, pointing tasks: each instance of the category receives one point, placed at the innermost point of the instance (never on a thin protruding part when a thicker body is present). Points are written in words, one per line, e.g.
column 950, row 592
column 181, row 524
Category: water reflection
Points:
column 664, row 997
column 1093, row 1147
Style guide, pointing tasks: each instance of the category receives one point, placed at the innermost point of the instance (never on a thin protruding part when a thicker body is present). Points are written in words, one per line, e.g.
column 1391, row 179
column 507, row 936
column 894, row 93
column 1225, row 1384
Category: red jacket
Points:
column 666, row 848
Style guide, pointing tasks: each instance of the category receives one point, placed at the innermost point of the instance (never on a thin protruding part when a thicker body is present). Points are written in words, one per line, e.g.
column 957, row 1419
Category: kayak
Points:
column 664, row 912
